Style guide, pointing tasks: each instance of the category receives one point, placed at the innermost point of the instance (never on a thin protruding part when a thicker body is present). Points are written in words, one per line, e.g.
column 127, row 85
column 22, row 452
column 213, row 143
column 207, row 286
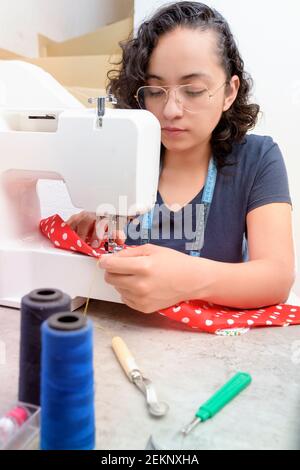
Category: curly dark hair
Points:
column 132, row 69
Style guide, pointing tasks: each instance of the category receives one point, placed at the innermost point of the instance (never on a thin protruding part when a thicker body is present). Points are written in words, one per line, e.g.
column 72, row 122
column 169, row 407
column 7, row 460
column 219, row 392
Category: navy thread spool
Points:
column 36, row 307
column 67, row 383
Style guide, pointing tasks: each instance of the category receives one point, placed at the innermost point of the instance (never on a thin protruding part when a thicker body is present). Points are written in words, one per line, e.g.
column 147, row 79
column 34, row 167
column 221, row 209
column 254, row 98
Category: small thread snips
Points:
column 127, row 361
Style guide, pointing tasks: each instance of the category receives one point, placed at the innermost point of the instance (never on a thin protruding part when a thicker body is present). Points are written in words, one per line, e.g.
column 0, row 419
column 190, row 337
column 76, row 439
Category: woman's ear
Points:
column 231, row 92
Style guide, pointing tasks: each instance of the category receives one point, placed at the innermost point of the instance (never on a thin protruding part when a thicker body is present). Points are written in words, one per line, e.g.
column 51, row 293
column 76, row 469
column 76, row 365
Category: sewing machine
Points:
column 108, row 159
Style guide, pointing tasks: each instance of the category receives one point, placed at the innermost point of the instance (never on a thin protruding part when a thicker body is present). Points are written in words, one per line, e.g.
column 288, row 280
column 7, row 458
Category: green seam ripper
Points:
column 223, row 396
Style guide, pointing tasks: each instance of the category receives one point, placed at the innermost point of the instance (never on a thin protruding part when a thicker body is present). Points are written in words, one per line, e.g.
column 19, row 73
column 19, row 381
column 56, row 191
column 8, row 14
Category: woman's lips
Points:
column 173, row 131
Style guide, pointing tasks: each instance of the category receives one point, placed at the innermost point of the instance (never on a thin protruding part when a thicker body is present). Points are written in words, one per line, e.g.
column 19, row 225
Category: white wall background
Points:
column 268, row 36
column 21, row 20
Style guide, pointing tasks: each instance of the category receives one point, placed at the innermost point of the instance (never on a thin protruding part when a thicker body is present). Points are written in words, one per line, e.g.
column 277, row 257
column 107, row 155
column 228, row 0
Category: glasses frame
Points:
column 169, row 88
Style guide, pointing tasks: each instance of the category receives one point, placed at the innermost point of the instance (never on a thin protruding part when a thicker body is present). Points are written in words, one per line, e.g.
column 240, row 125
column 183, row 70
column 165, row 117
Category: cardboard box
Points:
column 104, row 41
column 82, row 63
column 81, row 71
column 6, row 55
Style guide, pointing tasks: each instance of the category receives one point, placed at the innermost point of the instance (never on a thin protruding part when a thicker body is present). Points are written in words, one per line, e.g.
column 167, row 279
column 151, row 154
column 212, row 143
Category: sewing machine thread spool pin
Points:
column 101, row 100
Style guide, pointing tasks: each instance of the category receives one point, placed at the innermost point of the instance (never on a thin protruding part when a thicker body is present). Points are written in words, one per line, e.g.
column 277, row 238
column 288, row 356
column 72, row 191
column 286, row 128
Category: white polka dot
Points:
column 289, row 321
column 63, row 225
column 79, row 243
column 292, row 316
column 56, row 243
column 276, row 313
column 273, row 318
column 53, row 223
column 198, row 311
column 162, row 314
column 206, row 307
column 52, row 230
column 261, row 311
column 236, row 316
column 223, row 311
column 72, row 248
column 250, row 322
column 268, row 322
column 65, row 236
column 230, row 322
column 293, row 310
column 185, row 320
column 209, row 323
column 279, row 307
column 176, row 309
column 254, row 316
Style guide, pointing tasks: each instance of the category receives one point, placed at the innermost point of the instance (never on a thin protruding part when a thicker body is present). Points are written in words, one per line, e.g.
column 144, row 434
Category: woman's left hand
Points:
column 149, row 277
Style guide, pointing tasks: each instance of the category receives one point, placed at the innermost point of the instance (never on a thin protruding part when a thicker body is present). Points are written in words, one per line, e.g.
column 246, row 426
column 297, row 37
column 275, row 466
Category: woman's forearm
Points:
column 253, row 284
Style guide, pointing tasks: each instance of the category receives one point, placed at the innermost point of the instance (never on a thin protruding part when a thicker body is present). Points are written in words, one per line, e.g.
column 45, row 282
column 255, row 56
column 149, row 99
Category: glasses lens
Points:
column 193, row 97
column 151, row 97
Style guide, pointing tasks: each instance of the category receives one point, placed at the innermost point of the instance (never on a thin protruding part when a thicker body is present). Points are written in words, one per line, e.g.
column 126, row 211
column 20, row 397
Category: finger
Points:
column 120, row 281
column 118, row 265
column 70, row 219
column 119, row 236
column 129, row 301
column 101, row 228
column 75, row 218
column 93, row 239
column 72, row 222
column 84, row 229
column 134, row 305
column 130, row 252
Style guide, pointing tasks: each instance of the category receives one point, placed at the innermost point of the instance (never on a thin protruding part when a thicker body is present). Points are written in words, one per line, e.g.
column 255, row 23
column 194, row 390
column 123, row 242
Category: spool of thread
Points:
column 67, row 384
column 36, row 307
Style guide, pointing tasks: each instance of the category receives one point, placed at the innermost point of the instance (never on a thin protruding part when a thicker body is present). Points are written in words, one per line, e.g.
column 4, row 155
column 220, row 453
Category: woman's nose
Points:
column 172, row 107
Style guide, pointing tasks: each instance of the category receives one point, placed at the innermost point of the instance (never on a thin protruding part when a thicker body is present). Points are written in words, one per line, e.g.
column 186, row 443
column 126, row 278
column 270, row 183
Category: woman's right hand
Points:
column 84, row 224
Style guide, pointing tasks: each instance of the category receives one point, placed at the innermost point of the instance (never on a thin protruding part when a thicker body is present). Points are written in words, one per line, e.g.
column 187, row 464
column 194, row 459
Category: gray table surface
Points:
column 187, row 367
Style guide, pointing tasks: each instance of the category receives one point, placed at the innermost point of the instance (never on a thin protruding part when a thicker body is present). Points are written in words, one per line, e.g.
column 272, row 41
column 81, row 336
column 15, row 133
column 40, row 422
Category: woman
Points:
column 185, row 68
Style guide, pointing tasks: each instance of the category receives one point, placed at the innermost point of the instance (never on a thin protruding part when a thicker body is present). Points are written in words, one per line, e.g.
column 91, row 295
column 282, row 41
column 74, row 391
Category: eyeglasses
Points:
column 192, row 98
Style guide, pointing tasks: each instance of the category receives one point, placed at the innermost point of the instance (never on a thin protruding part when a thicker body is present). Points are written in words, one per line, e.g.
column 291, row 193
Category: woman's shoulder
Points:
column 255, row 143
column 254, row 155
column 255, row 150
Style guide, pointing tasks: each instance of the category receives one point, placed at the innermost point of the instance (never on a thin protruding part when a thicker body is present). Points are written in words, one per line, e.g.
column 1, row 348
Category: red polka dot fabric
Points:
column 196, row 314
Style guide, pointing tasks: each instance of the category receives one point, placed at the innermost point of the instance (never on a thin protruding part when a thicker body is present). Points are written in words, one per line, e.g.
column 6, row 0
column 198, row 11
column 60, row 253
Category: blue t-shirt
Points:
column 258, row 177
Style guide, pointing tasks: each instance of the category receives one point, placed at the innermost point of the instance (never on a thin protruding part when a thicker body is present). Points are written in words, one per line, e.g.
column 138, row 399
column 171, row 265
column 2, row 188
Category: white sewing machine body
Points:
column 97, row 164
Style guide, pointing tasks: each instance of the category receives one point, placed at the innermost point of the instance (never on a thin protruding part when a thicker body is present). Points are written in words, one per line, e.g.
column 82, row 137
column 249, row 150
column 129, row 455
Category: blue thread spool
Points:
column 67, row 386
